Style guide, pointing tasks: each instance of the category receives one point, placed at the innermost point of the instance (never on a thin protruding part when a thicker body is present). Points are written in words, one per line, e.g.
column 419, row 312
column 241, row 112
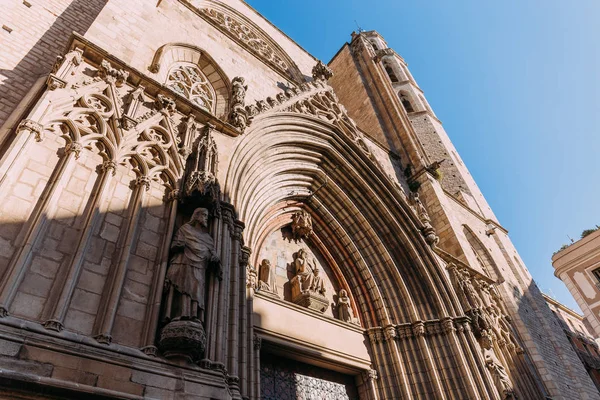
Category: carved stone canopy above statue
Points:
column 201, row 172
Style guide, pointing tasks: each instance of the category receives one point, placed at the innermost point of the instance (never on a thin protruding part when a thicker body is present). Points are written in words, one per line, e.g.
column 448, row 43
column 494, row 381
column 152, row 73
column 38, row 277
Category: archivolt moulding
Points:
column 248, row 35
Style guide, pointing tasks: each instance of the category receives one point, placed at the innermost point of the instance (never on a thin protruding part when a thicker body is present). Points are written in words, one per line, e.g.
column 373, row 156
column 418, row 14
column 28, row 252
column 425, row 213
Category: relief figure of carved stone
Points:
column 308, row 288
column 266, row 278
column 343, row 307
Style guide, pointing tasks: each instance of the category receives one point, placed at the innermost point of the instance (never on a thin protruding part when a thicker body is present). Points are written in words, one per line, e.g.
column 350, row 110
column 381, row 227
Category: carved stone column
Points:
column 116, row 276
column 62, row 291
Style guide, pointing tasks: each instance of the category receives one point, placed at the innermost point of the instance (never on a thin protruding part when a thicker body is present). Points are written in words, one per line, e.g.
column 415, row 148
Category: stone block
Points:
column 145, row 250
column 91, row 282
column 75, row 375
column 131, row 309
column 120, row 386
column 154, row 380
column 158, row 394
column 27, row 305
column 46, row 356
column 33, row 369
column 79, row 321
column 8, row 348
column 136, row 291
column 36, row 285
column 43, row 266
column 85, row 301
column 110, row 232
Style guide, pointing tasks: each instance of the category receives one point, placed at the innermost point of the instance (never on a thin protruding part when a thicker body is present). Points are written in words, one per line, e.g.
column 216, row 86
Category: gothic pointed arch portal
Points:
column 366, row 231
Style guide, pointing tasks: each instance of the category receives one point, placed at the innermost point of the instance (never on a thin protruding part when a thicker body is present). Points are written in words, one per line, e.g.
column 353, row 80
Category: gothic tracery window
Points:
column 188, row 81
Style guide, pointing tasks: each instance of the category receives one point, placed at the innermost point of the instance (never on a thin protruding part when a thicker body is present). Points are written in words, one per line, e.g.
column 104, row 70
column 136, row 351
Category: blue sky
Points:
column 517, row 87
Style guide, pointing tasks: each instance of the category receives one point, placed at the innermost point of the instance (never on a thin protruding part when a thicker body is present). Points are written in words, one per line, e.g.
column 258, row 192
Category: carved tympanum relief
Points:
column 266, row 278
column 300, row 275
column 343, row 307
column 308, row 289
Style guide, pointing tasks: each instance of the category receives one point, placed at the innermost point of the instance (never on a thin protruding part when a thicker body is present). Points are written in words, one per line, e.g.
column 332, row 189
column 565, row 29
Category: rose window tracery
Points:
column 189, row 82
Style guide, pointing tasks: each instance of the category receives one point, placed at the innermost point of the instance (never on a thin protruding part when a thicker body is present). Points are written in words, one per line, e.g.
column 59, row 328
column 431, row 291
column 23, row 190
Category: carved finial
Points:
column 321, row 72
column 112, row 75
column 166, row 104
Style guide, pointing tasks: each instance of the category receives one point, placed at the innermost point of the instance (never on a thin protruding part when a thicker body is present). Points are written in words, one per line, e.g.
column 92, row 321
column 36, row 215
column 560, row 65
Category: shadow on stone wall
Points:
column 558, row 357
column 77, row 17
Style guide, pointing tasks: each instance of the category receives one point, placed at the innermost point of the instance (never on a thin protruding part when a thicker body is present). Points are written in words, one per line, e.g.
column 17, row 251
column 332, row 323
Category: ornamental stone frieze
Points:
column 248, row 35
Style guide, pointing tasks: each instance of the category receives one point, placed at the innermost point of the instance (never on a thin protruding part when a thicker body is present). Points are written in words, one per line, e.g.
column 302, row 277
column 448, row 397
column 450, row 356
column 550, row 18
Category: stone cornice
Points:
column 307, row 311
column 94, row 54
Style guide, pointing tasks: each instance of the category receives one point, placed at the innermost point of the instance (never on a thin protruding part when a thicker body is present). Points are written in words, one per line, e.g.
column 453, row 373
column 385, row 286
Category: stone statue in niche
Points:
column 266, row 278
column 185, row 283
column 308, row 289
column 343, row 307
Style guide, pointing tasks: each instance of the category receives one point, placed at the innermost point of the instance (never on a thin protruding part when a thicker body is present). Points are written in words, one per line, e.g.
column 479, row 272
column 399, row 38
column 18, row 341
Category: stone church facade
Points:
column 194, row 207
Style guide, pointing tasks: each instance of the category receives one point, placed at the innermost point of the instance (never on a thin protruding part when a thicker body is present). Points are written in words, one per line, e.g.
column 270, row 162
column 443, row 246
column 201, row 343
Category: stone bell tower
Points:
column 374, row 83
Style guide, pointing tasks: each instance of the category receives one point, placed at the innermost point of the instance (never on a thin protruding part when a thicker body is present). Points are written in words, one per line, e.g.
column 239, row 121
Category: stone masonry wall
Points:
column 132, row 31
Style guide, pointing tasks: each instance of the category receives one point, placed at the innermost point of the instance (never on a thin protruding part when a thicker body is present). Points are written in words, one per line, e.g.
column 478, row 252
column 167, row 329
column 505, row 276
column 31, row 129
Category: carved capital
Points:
column 448, row 325
column 419, row 328
column 128, row 123
column 375, row 335
column 103, row 339
column 34, row 127
column 74, row 147
column 370, row 375
column 141, row 181
column 53, row 82
column 390, row 332
column 53, row 325
column 379, row 54
column 174, row 195
column 108, row 166
column 150, row 351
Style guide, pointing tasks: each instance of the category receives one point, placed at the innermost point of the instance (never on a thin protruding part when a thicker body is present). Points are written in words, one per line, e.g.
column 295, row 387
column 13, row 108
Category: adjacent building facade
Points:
column 192, row 206
column 578, row 266
column 580, row 336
